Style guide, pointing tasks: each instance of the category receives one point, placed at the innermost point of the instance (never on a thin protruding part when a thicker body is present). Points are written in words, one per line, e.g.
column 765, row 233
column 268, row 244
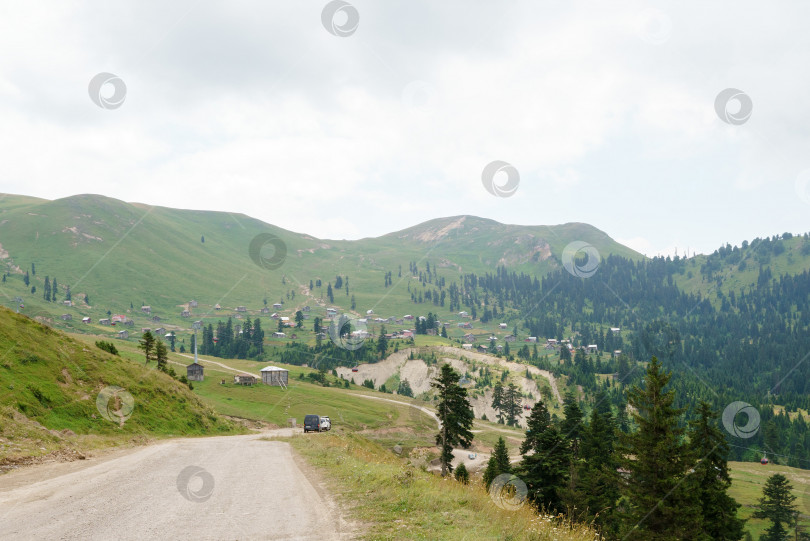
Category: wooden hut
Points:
column 244, row 379
column 273, row 375
column 194, row 372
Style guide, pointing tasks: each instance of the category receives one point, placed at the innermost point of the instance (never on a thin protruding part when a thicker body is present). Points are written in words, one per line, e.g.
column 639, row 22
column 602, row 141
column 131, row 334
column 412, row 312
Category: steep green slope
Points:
column 50, row 386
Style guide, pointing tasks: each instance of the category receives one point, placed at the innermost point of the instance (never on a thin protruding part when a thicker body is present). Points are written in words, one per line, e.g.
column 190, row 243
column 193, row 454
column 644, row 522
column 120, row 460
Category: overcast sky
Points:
column 606, row 112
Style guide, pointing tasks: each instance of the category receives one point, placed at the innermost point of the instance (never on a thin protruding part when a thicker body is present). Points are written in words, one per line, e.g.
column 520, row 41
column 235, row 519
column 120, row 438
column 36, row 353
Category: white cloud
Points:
column 255, row 108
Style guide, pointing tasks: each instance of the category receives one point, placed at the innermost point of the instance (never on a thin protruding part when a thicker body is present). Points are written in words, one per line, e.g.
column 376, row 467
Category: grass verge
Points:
column 395, row 501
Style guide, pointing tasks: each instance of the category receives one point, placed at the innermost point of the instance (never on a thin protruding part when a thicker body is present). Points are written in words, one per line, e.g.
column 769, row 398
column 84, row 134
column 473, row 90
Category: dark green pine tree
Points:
column 777, row 505
column 46, row 290
column 571, row 429
column 662, row 505
column 54, row 290
column 147, row 345
column 598, row 480
column 544, row 467
column 711, row 477
column 455, row 415
column 498, row 463
column 497, row 401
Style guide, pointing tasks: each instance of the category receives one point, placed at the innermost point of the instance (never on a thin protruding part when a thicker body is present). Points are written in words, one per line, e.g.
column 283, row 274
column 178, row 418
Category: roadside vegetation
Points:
column 394, row 500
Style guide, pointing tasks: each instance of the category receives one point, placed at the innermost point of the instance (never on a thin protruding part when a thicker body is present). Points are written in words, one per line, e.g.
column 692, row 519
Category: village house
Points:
column 192, row 304
column 463, row 314
column 407, row 333
column 194, row 372
column 241, row 309
column 104, row 321
column 530, row 339
column 185, row 313
column 469, row 337
column 129, row 323
column 615, row 330
column 117, row 318
column 217, row 307
column 617, row 352
column 273, row 375
column 409, row 317
column 145, row 329
column 156, row 319
column 160, row 331
column 265, row 310
column 501, row 325
column 68, row 303
column 466, row 346
column 67, row 317
column 146, row 309
column 305, row 308
column 592, row 348
column 123, row 335
column 279, row 334
column 86, row 320
column 510, row 338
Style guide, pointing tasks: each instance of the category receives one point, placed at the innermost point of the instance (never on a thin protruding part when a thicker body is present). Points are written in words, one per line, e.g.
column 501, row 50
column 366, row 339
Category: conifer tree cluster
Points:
column 662, row 481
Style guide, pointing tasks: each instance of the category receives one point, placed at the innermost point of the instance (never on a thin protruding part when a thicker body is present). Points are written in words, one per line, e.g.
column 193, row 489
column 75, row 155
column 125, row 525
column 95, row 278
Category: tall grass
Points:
column 392, row 500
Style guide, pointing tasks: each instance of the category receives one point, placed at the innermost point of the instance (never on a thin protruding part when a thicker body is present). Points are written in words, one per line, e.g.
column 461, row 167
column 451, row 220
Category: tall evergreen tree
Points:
column 455, row 415
column 657, row 461
column 54, row 290
column 147, row 345
column 497, row 400
column 498, row 463
column 711, row 478
column 598, row 478
column 571, row 429
column 777, row 505
column 161, row 355
column 544, row 467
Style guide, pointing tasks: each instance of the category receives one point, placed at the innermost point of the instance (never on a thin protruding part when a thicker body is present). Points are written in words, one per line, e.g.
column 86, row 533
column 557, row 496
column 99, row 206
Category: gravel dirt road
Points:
column 235, row 487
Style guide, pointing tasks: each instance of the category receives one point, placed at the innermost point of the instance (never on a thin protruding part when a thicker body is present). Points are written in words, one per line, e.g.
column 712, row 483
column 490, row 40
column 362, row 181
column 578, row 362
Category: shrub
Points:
column 462, row 475
column 109, row 347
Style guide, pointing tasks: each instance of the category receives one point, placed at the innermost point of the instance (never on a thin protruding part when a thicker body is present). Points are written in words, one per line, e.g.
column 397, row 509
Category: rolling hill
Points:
column 120, row 255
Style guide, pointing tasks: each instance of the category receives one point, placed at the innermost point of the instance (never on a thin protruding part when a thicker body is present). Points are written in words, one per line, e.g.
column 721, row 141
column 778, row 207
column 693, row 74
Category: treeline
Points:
column 661, row 480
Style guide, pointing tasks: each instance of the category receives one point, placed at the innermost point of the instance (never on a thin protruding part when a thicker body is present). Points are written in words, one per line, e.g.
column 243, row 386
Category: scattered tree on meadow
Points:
column 777, row 505
column 147, row 345
column 299, row 319
column 455, row 415
column 161, row 355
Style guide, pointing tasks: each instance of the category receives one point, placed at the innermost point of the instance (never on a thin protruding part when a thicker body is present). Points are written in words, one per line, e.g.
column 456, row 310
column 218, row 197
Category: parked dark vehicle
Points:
column 312, row 423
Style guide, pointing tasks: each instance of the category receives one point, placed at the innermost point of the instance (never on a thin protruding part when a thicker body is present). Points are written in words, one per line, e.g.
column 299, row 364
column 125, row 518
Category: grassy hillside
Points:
column 123, row 255
column 49, row 389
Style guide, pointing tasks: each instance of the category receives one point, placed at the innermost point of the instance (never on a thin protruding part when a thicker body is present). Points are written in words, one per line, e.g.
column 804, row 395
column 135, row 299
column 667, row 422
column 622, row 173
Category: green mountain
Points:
column 124, row 255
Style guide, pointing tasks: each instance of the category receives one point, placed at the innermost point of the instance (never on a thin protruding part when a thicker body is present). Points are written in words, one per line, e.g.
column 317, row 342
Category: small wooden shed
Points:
column 273, row 375
column 194, row 372
column 244, row 379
